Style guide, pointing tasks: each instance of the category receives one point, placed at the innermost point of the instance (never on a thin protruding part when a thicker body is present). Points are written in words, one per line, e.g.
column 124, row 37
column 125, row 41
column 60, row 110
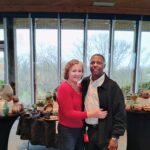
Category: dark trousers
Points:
column 93, row 143
column 70, row 138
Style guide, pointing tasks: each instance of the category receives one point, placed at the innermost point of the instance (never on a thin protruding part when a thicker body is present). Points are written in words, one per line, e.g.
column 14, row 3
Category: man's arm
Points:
column 119, row 113
column 119, row 118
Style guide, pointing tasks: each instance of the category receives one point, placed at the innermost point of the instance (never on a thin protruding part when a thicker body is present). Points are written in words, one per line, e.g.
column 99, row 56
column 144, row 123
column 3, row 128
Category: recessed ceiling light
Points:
column 105, row 4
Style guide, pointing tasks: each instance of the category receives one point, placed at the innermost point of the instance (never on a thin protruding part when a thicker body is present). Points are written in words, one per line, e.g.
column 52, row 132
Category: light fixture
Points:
column 104, row 4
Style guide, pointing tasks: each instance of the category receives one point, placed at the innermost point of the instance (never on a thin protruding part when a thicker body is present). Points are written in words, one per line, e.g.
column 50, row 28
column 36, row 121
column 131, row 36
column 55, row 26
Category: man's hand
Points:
column 102, row 114
column 113, row 144
column 98, row 113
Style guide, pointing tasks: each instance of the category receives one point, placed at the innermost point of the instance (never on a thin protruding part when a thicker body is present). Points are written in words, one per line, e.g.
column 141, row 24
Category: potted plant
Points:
column 40, row 105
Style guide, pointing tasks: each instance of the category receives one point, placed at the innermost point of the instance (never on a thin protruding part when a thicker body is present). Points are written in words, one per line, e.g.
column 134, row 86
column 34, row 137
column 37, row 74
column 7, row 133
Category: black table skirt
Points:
column 138, row 130
column 6, row 124
column 38, row 131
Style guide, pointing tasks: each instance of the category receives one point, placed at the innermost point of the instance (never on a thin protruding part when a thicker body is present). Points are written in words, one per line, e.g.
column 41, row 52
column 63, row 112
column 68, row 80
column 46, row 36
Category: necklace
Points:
column 74, row 86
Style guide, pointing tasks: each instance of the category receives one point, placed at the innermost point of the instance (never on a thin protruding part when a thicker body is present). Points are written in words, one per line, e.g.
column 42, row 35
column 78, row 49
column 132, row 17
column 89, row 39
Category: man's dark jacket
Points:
column 112, row 100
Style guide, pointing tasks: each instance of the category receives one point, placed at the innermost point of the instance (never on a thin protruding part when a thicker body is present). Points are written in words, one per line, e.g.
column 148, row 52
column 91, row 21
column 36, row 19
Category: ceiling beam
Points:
column 79, row 9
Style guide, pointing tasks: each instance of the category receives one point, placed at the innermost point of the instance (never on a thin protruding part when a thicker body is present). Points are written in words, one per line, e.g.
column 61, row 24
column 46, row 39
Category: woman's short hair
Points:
column 69, row 65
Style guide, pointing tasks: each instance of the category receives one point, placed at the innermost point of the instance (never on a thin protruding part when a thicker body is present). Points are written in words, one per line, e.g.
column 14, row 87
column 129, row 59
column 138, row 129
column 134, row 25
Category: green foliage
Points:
column 1, row 82
column 34, row 106
column 142, row 86
column 126, row 90
column 51, row 95
column 40, row 103
column 25, row 96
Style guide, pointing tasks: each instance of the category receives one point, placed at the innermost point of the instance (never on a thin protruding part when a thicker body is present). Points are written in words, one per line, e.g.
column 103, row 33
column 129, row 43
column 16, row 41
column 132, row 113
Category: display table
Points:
column 5, row 126
column 38, row 131
column 138, row 130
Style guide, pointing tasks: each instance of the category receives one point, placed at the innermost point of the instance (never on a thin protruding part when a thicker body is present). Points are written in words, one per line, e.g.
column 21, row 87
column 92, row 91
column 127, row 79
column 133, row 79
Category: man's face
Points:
column 97, row 66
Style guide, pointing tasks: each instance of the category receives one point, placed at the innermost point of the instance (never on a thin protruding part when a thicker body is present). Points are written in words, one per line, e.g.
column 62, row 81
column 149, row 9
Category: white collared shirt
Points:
column 91, row 100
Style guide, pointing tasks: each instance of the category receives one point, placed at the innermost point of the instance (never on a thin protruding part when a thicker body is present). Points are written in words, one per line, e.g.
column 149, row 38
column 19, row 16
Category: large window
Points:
column 46, row 56
column 1, row 62
column 42, row 53
column 122, row 54
column 144, row 72
column 23, row 67
column 98, row 40
column 72, row 41
column 1, row 53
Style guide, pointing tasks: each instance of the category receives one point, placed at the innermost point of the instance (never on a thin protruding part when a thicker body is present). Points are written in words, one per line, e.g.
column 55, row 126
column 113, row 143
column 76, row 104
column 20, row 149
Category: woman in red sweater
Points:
column 70, row 111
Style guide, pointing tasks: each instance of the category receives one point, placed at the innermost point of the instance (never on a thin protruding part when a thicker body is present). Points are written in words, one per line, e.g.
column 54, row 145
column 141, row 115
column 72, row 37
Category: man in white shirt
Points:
column 99, row 91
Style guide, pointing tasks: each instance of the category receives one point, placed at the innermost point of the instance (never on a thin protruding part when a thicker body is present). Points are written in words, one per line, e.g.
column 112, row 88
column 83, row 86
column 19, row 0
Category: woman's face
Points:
column 75, row 73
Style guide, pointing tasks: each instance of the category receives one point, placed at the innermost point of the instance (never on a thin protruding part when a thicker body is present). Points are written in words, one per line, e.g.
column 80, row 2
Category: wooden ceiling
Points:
column 135, row 7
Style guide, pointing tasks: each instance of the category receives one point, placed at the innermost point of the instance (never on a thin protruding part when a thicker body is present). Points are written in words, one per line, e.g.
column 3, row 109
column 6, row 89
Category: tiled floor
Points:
column 16, row 144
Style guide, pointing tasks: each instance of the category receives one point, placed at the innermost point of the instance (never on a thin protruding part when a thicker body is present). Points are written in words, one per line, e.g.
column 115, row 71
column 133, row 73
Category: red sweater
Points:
column 70, row 106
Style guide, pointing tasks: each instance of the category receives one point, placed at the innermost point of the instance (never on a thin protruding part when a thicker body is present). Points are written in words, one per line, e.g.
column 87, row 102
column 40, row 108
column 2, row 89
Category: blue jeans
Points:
column 70, row 138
